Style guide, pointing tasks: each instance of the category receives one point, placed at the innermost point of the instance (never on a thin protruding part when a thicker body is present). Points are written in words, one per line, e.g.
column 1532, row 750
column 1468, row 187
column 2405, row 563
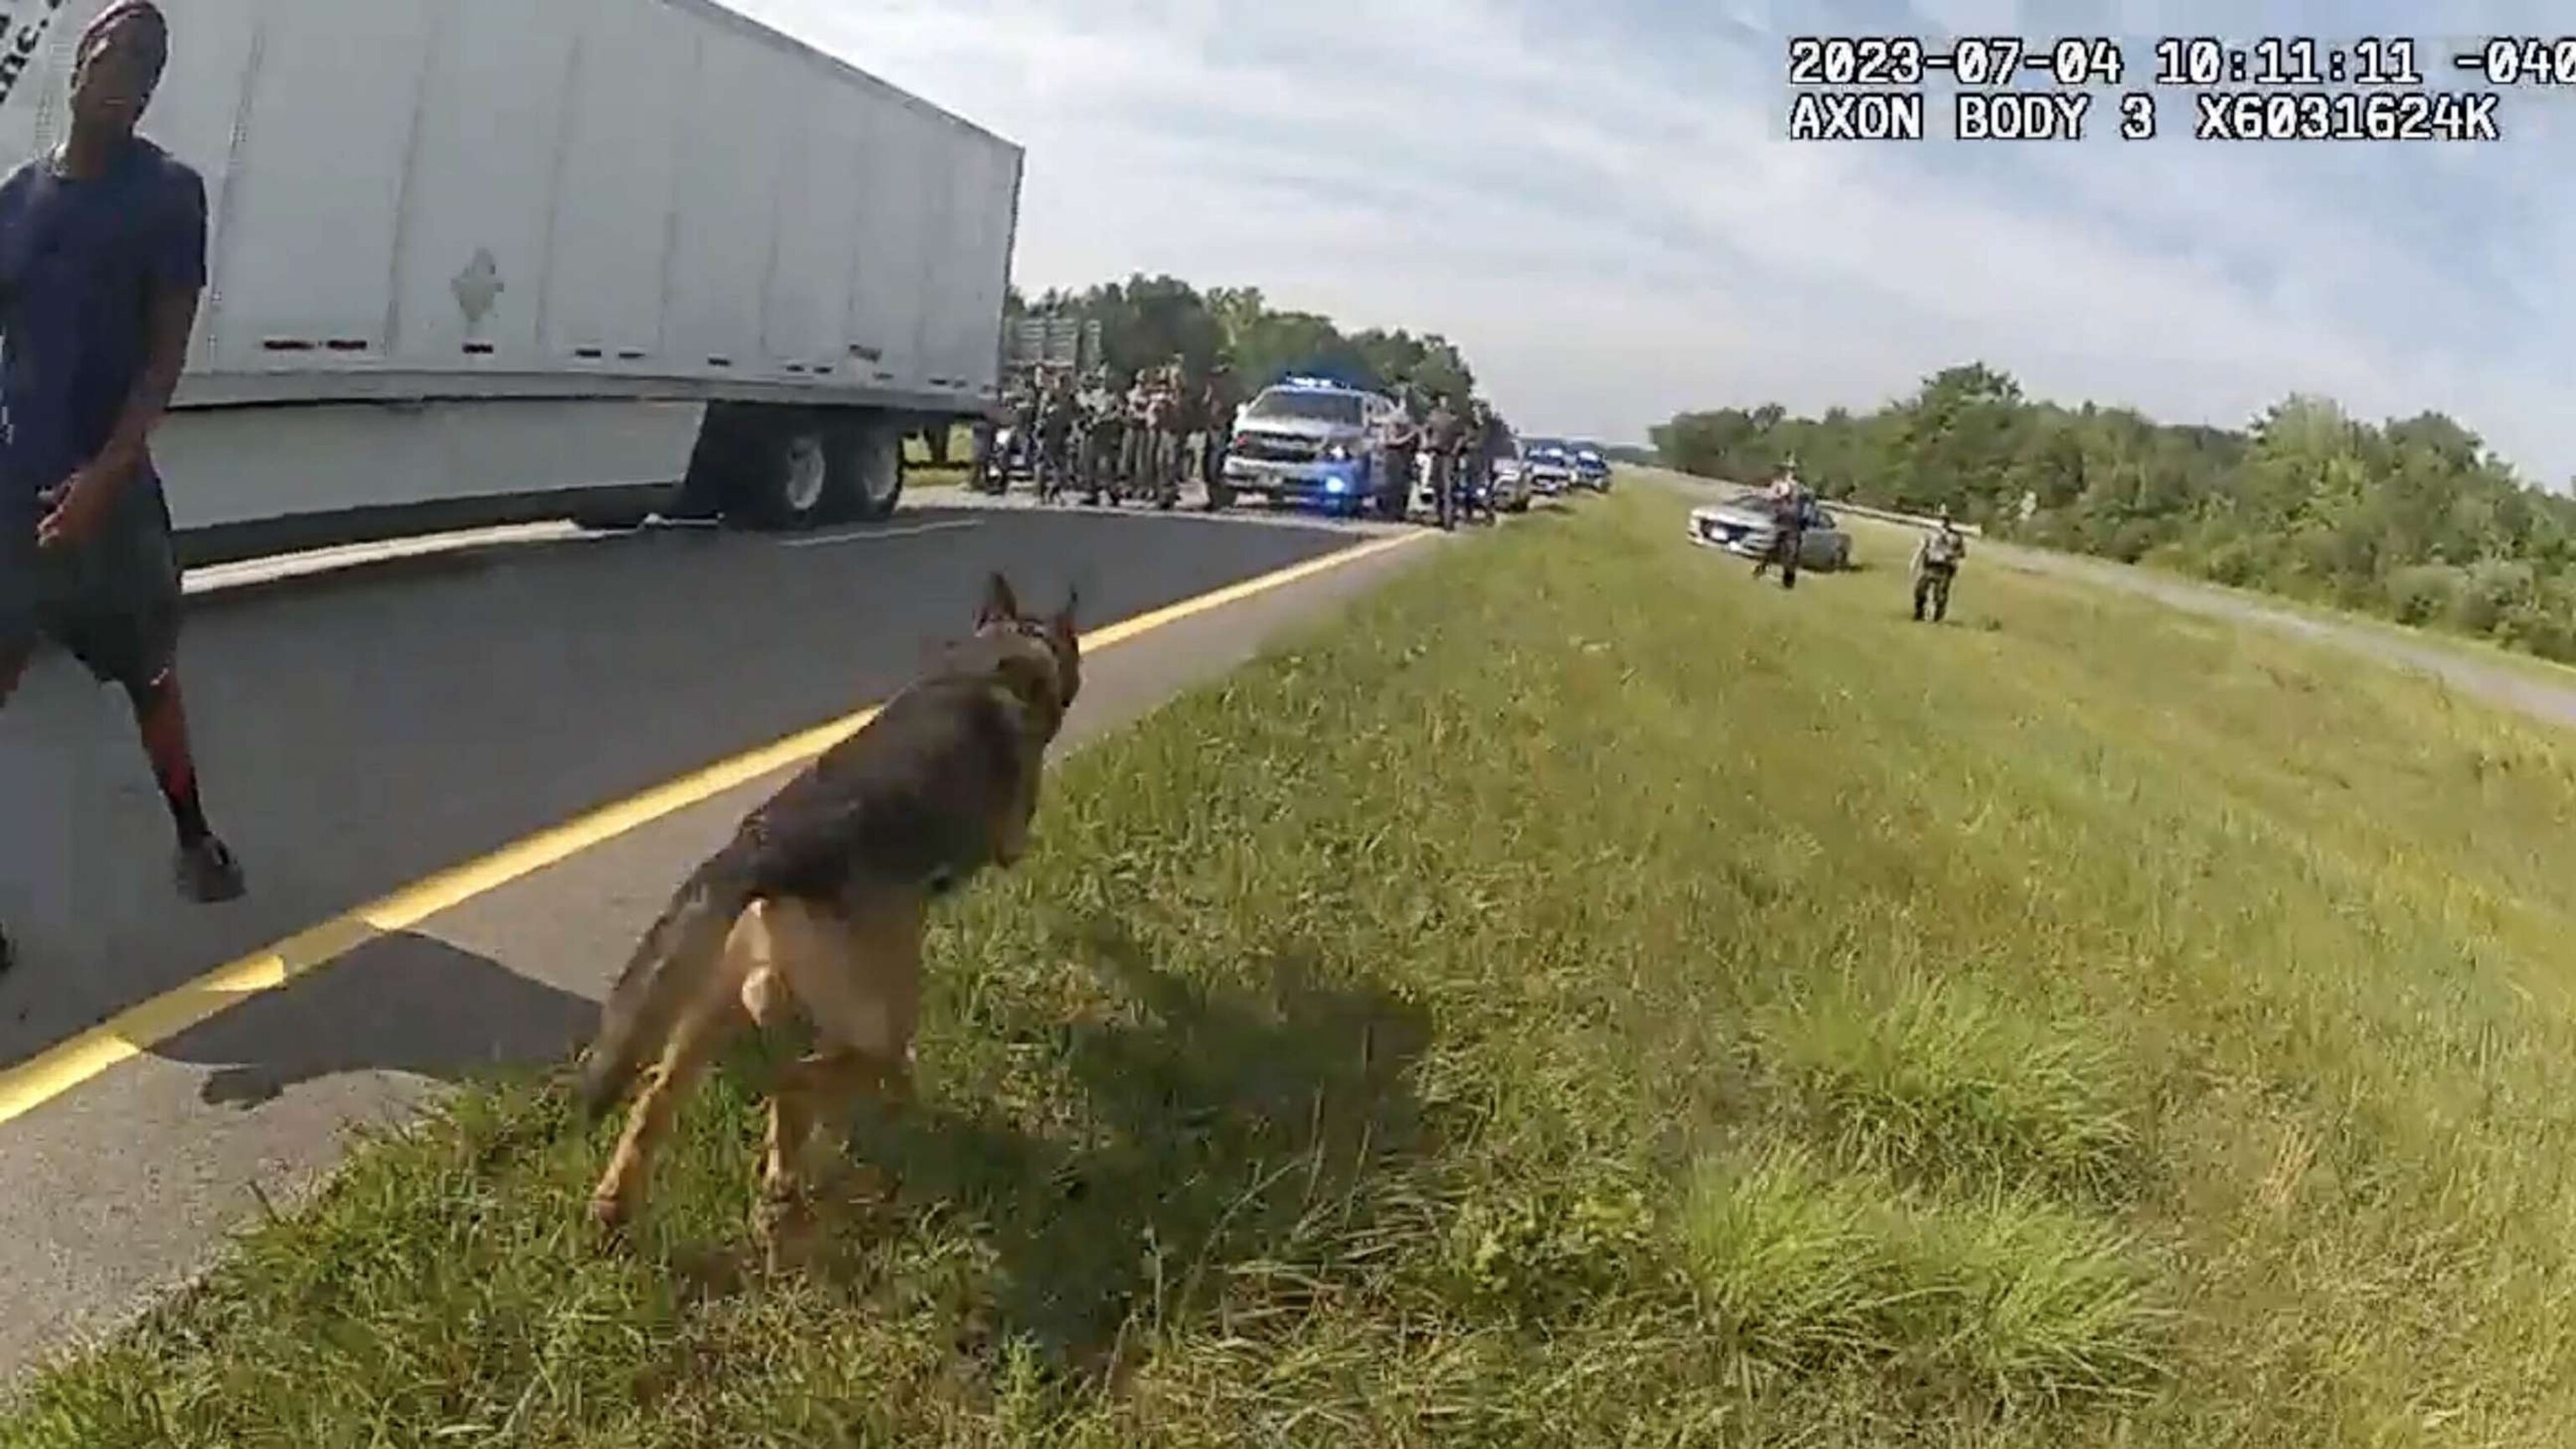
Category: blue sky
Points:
column 1597, row 201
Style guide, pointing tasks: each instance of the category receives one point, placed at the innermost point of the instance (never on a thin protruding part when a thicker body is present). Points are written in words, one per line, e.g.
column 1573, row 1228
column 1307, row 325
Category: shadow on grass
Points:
column 1241, row 1137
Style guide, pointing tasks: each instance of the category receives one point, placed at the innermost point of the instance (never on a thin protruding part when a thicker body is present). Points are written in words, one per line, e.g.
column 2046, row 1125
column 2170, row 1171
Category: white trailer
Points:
column 481, row 261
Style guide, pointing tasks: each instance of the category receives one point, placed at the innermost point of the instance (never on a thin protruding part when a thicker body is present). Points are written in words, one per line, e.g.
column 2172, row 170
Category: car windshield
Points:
column 1293, row 405
column 1544, row 445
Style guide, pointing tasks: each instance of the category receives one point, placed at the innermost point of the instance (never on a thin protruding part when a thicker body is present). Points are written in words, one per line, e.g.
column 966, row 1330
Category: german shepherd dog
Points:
column 818, row 904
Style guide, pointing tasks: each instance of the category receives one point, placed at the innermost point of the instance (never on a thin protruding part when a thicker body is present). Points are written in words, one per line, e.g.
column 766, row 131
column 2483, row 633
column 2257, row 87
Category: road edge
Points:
column 134, row 1031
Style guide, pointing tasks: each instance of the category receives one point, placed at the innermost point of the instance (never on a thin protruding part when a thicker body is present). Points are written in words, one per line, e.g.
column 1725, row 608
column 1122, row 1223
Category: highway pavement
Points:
column 364, row 728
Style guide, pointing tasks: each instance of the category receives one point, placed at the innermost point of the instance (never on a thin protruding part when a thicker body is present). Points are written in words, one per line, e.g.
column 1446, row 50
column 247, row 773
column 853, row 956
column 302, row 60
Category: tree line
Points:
column 2412, row 519
column 1149, row 321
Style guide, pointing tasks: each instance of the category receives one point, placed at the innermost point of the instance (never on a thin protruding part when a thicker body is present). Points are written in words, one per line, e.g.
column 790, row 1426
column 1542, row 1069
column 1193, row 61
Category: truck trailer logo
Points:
column 478, row 287
column 25, row 26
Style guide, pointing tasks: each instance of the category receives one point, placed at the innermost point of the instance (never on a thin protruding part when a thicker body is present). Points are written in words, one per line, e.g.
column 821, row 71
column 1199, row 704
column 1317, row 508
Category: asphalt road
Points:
column 361, row 730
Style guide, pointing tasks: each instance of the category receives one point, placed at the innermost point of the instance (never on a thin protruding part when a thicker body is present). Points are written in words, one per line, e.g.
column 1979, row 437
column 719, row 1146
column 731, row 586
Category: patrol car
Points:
column 1311, row 440
column 1591, row 467
column 1744, row 525
column 1549, row 466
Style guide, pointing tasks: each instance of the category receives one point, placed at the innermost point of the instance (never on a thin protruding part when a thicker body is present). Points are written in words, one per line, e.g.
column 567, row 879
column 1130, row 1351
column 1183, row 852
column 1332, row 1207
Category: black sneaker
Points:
column 207, row 872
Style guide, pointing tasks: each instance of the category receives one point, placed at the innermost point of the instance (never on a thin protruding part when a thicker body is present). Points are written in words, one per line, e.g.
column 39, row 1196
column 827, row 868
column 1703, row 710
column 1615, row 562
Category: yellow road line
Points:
column 139, row 1028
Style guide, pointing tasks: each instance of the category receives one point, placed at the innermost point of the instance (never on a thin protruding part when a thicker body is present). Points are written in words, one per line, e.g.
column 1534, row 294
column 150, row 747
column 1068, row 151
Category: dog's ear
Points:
column 1000, row 605
column 1062, row 623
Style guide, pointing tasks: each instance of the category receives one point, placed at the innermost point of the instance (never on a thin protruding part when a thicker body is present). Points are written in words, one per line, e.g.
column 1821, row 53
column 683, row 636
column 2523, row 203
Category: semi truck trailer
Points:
column 493, row 261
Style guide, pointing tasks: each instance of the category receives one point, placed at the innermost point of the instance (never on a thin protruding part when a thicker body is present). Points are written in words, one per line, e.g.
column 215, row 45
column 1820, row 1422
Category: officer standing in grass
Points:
column 1936, row 563
column 102, row 259
column 1791, row 504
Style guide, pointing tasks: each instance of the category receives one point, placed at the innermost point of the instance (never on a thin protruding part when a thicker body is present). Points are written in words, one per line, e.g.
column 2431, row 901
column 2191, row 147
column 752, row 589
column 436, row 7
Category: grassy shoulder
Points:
column 2476, row 648
column 1588, row 997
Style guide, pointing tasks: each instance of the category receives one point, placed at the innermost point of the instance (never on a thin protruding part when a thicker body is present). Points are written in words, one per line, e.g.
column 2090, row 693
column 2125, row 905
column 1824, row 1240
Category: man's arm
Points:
column 177, row 265
column 172, row 319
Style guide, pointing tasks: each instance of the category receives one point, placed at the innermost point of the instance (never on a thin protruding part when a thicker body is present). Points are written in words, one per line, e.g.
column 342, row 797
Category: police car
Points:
column 1549, row 465
column 1591, row 467
column 1310, row 440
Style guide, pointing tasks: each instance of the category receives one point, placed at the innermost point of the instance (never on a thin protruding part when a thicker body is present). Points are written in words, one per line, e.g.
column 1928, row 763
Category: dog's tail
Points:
column 670, row 965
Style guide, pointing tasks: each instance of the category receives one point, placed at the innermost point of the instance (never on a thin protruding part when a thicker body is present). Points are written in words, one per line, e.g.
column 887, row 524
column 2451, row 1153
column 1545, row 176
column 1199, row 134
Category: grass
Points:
column 1894, row 547
column 920, row 472
column 1587, row 997
column 2477, row 648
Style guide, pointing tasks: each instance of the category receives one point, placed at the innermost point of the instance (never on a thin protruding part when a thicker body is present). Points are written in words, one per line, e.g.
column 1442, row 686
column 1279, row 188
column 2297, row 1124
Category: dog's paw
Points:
column 608, row 1217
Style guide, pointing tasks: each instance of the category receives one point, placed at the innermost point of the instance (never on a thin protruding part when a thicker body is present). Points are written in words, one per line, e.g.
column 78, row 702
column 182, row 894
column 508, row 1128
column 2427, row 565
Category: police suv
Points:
column 1549, row 465
column 1314, row 441
column 1591, row 466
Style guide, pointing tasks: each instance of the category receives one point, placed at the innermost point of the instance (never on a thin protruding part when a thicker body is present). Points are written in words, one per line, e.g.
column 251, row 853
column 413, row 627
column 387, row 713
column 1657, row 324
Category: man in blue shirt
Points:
column 102, row 258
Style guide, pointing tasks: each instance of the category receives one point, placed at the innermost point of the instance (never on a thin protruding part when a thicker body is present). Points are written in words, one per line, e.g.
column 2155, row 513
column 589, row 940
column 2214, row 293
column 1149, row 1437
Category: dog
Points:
column 818, row 904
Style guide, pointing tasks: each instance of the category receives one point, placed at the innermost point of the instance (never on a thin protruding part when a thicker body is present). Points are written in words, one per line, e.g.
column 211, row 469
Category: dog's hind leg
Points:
column 858, row 978
column 685, row 1057
column 621, row 1188
column 807, row 1120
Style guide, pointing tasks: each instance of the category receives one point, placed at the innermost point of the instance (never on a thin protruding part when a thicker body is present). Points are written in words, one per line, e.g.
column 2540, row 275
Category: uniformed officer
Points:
column 1936, row 564
column 1055, row 435
column 1104, row 414
column 1790, row 506
column 1404, row 444
column 1442, row 433
column 1218, row 401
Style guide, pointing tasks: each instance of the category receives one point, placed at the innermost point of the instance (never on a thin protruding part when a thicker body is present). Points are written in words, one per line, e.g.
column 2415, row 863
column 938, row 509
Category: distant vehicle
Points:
column 1512, row 487
column 1743, row 526
column 1549, row 464
column 1316, row 442
column 1591, row 467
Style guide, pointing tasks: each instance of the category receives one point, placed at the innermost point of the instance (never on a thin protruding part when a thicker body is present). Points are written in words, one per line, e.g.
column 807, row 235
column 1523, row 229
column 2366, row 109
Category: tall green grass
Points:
column 1591, row 998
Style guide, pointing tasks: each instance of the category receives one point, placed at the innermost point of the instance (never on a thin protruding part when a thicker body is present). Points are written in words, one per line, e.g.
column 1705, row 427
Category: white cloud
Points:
column 1595, row 201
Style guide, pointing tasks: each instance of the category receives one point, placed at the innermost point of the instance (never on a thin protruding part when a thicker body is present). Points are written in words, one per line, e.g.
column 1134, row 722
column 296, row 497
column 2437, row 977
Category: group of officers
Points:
column 1082, row 434
column 1934, row 567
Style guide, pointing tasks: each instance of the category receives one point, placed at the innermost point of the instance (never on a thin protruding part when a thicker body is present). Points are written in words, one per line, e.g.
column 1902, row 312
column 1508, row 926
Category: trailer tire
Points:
column 795, row 471
column 867, row 459
column 772, row 467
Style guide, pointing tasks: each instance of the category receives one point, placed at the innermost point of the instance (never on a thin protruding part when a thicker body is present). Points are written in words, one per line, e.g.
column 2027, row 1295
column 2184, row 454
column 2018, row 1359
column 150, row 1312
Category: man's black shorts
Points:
column 112, row 601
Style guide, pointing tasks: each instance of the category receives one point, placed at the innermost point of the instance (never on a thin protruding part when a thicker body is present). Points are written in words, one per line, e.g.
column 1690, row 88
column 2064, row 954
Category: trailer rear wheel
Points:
column 793, row 471
column 783, row 474
column 807, row 481
column 869, row 459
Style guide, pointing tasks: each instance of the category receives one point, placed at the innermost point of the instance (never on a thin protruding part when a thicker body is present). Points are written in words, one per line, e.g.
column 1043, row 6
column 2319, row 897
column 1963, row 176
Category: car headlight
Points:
column 1337, row 452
